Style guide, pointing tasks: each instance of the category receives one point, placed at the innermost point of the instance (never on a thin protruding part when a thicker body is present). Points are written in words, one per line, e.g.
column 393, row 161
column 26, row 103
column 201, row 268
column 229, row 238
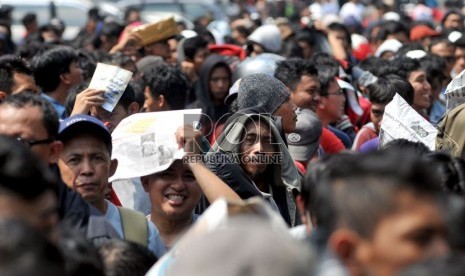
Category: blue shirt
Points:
column 58, row 107
column 154, row 243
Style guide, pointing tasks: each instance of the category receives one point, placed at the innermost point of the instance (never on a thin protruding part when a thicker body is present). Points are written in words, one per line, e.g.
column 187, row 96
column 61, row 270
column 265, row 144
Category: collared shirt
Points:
column 58, row 106
column 155, row 243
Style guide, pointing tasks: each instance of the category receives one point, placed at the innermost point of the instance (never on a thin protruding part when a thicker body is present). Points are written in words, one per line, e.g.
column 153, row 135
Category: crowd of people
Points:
column 292, row 96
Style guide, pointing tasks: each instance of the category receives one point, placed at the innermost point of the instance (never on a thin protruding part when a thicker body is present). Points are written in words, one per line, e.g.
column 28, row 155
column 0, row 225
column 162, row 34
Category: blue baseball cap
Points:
column 83, row 124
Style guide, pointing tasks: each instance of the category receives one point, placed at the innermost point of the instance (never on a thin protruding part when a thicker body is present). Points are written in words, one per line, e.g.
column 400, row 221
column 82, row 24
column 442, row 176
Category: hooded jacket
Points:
column 285, row 182
column 202, row 89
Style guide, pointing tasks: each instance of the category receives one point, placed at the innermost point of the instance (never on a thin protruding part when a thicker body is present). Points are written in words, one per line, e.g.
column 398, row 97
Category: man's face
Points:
column 307, row 92
column 26, row 123
column 422, row 90
column 174, row 192
column 453, row 21
column 376, row 114
column 446, row 51
column 23, row 82
column 331, row 107
column 75, row 74
column 413, row 232
column 160, row 48
column 199, row 57
column 287, row 113
column 110, row 119
column 220, row 81
column 459, row 60
column 40, row 213
column 150, row 104
column 257, row 142
column 85, row 166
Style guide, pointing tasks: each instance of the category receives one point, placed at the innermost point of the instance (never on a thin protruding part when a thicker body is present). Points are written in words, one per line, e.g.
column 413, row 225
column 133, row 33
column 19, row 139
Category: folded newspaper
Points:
column 455, row 92
column 401, row 121
column 111, row 79
column 145, row 143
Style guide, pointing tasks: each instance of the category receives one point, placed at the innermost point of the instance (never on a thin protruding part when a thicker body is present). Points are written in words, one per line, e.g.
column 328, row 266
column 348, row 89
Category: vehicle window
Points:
column 72, row 16
column 41, row 12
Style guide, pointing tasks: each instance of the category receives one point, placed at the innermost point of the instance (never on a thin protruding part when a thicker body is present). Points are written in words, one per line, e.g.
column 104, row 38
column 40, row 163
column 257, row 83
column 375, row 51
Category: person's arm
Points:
column 212, row 186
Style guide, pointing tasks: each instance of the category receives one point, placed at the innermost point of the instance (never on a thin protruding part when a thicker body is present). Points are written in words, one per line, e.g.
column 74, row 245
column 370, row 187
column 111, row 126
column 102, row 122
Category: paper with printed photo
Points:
column 113, row 80
column 145, row 143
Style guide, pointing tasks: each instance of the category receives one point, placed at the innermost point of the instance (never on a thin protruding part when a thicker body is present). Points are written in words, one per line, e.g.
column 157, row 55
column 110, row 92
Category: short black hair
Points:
column 29, row 18
column 357, row 191
column 10, row 64
column 21, row 172
column 125, row 258
column 373, row 65
column 24, row 251
column 403, row 66
column 434, row 65
column 192, row 45
column 391, row 27
column 48, row 66
column 50, row 119
column 460, row 43
column 290, row 71
column 381, row 91
column 402, row 87
column 335, row 26
column 170, row 82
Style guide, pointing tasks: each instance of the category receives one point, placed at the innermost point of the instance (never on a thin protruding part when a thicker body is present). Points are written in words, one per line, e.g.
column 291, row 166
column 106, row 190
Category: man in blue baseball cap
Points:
column 86, row 165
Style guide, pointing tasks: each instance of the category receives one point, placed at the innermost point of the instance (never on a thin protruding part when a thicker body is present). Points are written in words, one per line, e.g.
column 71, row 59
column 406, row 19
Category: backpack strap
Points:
column 135, row 226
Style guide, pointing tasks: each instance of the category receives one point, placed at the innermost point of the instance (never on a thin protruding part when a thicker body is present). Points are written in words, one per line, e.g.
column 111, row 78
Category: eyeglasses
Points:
column 30, row 143
column 340, row 92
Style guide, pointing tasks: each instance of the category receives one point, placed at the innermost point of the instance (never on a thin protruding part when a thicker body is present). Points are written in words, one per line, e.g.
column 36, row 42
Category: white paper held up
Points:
column 401, row 121
column 113, row 80
column 145, row 143
column 455, row 92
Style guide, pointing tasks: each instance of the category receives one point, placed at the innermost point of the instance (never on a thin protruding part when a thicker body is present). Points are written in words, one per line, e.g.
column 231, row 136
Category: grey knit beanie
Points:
column 261, row 90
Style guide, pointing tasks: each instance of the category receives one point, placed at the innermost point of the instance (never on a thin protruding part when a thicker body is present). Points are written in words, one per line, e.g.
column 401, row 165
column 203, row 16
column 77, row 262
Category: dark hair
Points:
column 451, row 171
column 403, row 66
column 21, row 172
column 434, row 65
column 48, row 66
column 357, row 191
column 291, row 70
column 402, row 87
column 128, row 96
column 49, row 114
column 391, row 27
column 10, row 64
column 170, row 82
column 404, row 145
column 29, row 18
column 460, row 43
column 451, row 12
column 192, row 45
column 24, row 251
column 87, row 63
column 381, row 91
column 112, row 29
column 129, row 10
column 81, row 257
column 125, row 258
column 341, row 28
column 373, row 65
column 324, row 61
column 438, row 40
